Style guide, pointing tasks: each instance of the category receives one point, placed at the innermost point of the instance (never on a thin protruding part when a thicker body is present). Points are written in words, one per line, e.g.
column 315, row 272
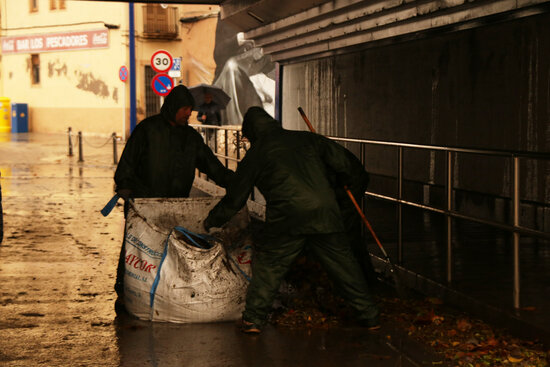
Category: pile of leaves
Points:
column 307, row 300
column 462, row 339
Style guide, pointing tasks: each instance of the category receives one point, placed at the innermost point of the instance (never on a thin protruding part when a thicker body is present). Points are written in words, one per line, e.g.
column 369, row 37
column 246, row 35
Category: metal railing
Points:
column 80, row 141
column 227, row 142
column 232, row 136
column 515, row 228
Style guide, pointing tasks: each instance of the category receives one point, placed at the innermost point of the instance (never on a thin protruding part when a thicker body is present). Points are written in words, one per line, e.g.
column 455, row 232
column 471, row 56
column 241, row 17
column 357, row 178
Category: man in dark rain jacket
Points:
column 160, row 158
column 291, row 169
column 161, row 155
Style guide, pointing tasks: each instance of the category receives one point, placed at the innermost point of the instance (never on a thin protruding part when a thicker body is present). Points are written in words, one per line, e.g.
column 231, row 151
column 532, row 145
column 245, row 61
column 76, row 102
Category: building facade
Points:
column 68, row 60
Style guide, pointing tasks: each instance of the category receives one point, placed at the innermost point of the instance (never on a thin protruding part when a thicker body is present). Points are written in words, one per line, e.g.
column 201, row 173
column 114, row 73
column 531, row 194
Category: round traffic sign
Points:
column 123, row 73
column 161, row 61
column 162, row 84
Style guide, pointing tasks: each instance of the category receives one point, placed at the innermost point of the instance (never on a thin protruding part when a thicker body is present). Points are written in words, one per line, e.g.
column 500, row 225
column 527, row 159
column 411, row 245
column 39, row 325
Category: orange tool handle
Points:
column 306, row 120
column 365, row 220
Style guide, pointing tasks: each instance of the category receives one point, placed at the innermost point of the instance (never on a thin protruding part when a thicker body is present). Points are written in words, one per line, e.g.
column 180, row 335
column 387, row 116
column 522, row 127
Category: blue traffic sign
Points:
column 123, row 73
column 162, row 84
column 175, row 70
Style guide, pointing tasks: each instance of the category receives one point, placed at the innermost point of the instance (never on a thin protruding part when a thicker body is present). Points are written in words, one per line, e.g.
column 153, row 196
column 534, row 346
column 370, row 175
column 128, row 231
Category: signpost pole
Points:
column 123, row 76
column 132, row 46
column 124, row 114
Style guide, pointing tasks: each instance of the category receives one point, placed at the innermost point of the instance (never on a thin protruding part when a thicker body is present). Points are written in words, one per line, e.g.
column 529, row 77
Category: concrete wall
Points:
column 487, row 87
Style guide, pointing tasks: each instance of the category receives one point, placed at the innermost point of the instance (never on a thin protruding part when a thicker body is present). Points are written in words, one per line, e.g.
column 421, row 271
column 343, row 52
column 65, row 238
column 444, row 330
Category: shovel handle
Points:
column 311, row 128
column 358, row 208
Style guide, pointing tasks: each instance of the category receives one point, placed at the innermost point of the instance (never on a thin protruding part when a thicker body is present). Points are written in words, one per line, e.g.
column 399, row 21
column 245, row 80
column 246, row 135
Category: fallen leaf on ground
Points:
column 463, row 325
column 514, row 359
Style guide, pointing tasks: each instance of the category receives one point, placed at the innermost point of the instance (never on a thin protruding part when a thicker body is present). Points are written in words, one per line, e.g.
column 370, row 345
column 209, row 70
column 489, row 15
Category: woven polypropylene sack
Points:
column 167, row 279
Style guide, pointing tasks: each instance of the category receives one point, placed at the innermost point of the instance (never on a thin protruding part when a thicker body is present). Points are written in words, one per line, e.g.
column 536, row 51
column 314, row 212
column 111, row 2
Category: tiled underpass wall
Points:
column 487, row 87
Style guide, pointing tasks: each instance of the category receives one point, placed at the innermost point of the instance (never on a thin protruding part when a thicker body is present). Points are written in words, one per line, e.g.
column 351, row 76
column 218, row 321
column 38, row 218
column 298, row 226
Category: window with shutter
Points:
column 33, row 6
column 159, row 22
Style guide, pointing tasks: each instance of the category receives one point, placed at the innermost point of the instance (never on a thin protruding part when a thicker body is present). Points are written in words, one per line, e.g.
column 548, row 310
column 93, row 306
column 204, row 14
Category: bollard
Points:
column 70, row 142
column 115, row 154
column 80, row 159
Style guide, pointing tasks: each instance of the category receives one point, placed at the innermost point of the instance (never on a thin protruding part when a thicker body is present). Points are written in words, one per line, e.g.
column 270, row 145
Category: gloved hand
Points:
column 124, row 193
column 206, row 224
column 209, row 228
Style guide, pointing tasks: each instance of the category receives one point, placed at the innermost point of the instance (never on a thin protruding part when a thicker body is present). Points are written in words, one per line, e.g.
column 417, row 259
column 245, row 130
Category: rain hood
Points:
column 178, row 98
column 258, row 123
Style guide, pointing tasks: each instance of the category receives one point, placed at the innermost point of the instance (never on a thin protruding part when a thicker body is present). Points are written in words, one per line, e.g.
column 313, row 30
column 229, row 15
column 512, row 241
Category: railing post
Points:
column 69, row 132
column 80, row 157
column 205, row 132
column 115, row 153
column 516, row 209
column 215, row 132
column 449, row 189
column 238, row 138
column 362, row 155
column 226, row 150
column 400, row 206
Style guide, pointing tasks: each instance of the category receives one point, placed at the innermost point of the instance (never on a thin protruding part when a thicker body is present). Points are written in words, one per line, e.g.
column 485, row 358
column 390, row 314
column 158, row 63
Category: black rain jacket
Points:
column 295, row 171
column 159, row 160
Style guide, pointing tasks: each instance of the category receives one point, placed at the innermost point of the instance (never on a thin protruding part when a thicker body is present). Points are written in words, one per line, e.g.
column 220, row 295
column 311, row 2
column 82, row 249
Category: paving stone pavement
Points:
column 57, row 272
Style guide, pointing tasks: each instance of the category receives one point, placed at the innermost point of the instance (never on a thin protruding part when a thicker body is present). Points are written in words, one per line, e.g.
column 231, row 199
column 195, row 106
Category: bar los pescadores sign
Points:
column 56, row 41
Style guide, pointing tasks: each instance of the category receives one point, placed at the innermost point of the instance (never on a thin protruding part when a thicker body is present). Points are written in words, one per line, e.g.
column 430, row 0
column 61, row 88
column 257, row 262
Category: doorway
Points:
column 152, row 101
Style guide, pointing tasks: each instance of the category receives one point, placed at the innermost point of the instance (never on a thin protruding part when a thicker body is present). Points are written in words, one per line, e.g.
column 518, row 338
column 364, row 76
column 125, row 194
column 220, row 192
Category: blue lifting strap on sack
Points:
column 189, row 235
column 110, row 205
column 157, row 277
column 241, row 270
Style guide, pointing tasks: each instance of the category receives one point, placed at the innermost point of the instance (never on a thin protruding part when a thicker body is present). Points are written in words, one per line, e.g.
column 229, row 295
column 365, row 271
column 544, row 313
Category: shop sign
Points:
column 65, row 41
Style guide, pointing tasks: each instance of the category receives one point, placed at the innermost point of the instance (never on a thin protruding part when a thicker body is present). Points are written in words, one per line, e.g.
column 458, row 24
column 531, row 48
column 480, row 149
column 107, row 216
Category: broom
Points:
column 398, row 286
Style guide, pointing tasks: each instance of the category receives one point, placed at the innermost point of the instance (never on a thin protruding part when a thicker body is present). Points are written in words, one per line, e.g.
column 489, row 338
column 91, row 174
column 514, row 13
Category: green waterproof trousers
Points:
column 274, row 256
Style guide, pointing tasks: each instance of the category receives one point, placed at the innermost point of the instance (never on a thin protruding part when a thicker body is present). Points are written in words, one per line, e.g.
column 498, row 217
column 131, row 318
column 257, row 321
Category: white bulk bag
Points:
column 168, row 279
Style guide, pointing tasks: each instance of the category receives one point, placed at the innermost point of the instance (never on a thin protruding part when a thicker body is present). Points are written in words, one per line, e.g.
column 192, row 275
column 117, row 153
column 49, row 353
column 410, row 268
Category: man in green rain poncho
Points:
column 293, row 170
column 160, row 158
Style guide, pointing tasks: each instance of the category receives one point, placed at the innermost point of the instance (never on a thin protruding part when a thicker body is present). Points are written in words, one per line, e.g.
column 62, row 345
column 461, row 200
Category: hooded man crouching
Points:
column 292, row 170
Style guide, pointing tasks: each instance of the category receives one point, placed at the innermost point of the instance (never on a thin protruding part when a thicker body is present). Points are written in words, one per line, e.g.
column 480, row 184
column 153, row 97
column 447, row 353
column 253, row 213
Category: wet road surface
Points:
column 58, row 268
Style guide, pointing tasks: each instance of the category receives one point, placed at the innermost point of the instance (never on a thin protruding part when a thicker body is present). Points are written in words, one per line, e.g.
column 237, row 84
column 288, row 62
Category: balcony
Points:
column 159, row 22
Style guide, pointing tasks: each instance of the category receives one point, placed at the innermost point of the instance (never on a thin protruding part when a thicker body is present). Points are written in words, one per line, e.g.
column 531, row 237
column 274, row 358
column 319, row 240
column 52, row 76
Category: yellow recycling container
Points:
column 5, row 115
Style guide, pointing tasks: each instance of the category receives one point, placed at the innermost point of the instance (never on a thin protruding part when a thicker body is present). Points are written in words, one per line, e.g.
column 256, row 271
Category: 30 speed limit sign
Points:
column 161, row 61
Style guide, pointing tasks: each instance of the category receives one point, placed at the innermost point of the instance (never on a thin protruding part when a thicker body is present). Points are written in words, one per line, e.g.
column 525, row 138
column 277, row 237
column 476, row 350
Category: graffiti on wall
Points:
column 55, row 69
column 89, row 83
column 84, row 80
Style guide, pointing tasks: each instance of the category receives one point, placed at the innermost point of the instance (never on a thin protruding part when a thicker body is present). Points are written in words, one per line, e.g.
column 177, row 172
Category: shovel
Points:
column 400, row 290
